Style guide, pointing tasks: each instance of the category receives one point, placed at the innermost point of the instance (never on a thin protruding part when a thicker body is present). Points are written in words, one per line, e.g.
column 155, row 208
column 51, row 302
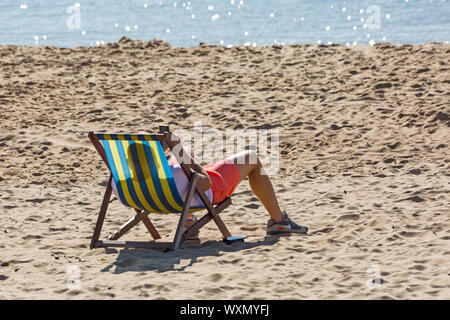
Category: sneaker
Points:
column 285, row 227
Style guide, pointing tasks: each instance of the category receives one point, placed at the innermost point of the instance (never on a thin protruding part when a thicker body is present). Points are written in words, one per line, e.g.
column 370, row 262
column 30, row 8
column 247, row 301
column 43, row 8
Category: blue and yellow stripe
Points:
column 141, row 173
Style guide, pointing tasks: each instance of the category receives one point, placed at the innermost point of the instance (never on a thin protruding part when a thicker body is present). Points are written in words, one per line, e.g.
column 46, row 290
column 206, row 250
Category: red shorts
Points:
column 225, row 177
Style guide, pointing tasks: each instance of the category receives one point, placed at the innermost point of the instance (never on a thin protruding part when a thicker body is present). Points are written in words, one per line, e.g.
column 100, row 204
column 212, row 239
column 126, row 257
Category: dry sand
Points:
column 364, row 141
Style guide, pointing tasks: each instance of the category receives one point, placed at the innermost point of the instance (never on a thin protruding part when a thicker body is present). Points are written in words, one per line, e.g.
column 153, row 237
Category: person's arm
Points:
column 183, row 156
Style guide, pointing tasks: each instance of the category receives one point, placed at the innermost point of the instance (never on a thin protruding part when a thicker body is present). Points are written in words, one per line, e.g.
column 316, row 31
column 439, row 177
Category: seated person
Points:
column 220, row 179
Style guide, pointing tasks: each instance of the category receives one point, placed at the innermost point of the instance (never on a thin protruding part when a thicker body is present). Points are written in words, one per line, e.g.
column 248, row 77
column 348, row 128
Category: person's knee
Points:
column 247, row 157
column 252, row 158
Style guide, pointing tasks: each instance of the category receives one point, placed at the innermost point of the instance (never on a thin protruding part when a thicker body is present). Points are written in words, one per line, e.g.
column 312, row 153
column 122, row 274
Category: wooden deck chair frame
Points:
column 180, row 236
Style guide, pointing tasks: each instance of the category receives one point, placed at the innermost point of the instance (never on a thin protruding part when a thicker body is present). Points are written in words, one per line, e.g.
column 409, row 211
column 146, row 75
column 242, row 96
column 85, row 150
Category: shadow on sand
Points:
column 141, row 260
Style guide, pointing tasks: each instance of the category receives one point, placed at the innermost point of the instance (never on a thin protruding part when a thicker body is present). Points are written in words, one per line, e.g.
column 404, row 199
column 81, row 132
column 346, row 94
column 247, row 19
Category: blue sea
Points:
column 223, row 22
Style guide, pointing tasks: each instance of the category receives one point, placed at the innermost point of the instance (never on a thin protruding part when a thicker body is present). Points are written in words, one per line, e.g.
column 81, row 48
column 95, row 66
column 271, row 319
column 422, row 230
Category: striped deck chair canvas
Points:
column 144, row 182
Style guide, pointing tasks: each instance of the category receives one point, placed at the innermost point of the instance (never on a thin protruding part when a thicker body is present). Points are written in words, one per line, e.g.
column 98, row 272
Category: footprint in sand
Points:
column 348, row 217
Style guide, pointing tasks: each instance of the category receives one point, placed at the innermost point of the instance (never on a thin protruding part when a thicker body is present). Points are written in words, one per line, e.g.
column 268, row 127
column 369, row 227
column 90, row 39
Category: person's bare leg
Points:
column 249, row 166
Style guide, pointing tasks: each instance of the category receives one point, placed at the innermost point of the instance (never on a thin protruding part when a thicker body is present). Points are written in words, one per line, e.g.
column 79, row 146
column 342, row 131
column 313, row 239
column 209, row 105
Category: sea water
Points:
column 223, row 22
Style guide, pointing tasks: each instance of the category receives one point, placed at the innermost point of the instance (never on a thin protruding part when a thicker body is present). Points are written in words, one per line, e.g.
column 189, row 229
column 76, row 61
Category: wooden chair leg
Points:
column 102, row 214
column 193, row 229
column 186, row 206
column 213, row 214
column 126, row 227
column 219, row 222
column 149, row 225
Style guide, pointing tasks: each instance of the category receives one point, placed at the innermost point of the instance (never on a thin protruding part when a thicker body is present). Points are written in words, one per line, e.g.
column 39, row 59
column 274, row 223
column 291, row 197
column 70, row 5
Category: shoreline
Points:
column 202, row 44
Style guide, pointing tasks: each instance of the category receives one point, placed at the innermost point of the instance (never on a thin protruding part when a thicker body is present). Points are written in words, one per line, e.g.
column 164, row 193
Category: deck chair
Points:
column 144, row 182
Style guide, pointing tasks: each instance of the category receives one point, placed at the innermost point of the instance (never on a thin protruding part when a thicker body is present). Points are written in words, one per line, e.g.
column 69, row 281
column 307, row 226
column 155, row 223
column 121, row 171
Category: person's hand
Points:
column 172, row 139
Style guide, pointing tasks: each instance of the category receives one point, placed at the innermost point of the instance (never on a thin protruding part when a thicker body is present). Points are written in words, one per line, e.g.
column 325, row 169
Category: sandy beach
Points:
column 364, row 163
